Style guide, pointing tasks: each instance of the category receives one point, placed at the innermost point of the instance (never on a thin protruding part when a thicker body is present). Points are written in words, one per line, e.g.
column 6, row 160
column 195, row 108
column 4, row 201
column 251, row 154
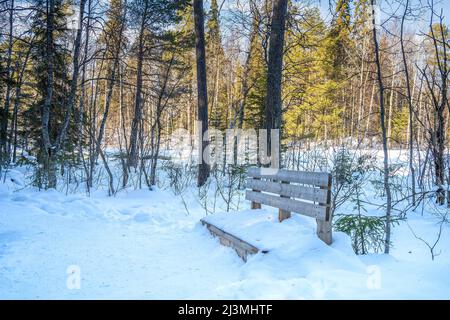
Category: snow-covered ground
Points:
column 144, row 245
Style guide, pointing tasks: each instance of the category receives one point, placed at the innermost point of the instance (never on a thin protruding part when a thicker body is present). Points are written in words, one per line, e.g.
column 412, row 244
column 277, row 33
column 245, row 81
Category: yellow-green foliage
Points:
column 399, row 126
column 257, row 79
column 311, row 90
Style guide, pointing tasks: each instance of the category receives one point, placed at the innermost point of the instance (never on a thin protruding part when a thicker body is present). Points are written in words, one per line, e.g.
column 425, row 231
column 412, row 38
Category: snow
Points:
column 144, row 245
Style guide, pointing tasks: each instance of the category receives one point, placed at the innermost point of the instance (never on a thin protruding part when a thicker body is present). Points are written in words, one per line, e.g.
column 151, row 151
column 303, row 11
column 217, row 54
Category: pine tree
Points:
column 257, row 74
column 215, row 69
column 339, row 38
column 50, row 61
column 310, row 93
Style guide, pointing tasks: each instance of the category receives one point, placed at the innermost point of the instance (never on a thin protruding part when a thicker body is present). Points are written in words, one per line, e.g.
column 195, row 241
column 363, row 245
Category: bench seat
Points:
column 251, row 231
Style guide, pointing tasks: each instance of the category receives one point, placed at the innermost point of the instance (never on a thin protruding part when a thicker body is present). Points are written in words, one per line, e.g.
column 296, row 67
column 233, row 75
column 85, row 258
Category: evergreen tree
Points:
column 215, row 69
column 257, row 71
column 339, row 38
column 50, row 63
column 310, row 93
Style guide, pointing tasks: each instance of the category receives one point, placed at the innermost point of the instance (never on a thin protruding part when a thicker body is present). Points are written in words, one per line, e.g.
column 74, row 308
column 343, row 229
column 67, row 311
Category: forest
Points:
column 106, row 108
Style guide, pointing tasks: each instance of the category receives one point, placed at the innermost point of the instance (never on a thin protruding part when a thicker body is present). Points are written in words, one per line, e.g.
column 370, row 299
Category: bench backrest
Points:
column 306, row 193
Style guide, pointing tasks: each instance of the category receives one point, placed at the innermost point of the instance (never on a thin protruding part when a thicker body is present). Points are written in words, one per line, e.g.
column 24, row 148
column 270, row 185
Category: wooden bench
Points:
column 306, row 193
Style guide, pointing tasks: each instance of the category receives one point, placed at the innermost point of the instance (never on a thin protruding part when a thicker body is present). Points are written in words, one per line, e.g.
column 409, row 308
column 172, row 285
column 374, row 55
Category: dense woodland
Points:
column 90, row 88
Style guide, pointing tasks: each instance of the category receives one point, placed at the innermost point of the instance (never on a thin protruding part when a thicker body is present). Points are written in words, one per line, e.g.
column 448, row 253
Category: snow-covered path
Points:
column 132, row 253
column 143, row 245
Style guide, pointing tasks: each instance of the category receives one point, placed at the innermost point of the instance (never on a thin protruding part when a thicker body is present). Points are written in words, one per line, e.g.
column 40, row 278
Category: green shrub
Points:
column 367, row 232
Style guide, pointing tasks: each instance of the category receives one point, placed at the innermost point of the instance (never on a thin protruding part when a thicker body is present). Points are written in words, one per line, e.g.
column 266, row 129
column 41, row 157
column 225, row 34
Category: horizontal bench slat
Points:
column 320, row 179
column 304, row 208
column 289, row 190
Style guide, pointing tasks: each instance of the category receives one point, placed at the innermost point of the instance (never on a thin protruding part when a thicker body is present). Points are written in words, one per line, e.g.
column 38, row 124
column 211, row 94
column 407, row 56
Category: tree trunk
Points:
column 80, row 118
column 122, row 128
column 274, row 73
column 17, row 100
column 391, row 104
column 74, row 81
column 158, row 125
column 387, row 187
column 410, row 108
column 137, row 119
column 440, row 103
column 4, row 156
column 47, row 156
column 109, row 91
column 245, row 86
column 202, row 94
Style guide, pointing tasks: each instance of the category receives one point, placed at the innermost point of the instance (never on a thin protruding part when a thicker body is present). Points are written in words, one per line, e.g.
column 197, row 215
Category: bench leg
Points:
column 256, row 205
column 324, row 231
column 324, row 227
column 283, row 215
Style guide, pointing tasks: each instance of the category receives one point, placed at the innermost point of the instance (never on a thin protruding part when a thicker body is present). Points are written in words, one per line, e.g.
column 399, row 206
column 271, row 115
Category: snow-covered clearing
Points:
column 143, row 245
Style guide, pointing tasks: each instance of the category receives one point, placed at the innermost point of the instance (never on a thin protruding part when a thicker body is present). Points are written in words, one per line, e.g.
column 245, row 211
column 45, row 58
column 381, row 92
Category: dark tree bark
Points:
column 81, row 109
column 157, row 126
column 47, row 155
column 387, row 187
column 74, row 81
column 49, row 93
column 17, row 101
column 245, row 85
column 275, row 65
column 109, row 90
column 137, row 119
column 4, row 157
column 442, row 62
column 410, row 107
column 202, row 95
column 436, row 79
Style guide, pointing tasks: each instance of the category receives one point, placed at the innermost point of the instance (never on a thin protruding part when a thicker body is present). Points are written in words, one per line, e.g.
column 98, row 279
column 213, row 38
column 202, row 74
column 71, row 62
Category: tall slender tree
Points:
column 409, row 99
column 74, row 81
column 274, row 73
column 142, row 7
column 202, row 92
column 381, row 88
column 9, row 79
